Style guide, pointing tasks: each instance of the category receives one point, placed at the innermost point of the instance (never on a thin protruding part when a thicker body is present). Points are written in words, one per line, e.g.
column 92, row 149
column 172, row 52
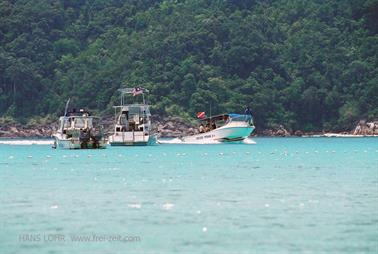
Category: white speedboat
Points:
column 222, row 128
column 79, row 130
column 132, row 122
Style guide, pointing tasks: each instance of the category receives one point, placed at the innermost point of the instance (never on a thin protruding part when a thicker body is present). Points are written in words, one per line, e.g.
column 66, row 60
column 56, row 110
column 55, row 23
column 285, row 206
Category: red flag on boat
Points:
column 137, row 91
column 201, row 115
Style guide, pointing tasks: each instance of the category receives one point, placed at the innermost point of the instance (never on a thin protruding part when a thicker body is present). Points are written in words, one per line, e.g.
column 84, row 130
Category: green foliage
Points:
column 305, row 65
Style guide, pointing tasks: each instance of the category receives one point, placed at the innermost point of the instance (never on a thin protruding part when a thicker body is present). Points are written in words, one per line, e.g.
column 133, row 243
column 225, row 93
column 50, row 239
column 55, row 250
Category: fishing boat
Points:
column 132, row 125
column 79, row 130
column 222, row 128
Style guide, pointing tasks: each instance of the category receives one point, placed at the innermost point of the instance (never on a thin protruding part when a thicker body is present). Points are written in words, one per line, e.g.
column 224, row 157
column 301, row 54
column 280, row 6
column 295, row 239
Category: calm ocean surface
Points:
column 282, row 195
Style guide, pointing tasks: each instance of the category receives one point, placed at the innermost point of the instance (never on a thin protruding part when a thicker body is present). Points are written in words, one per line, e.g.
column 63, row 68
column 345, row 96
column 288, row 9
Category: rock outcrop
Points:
column 19, row 131
column 172, row 127
column 166, row 127
column 279, row 131
column 366, row 128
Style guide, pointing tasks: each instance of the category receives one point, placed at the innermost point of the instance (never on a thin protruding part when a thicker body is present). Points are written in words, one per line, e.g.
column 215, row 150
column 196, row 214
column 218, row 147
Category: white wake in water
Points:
column 179, row 141
column 248, row 141
column 169, row 141
column 26, row 142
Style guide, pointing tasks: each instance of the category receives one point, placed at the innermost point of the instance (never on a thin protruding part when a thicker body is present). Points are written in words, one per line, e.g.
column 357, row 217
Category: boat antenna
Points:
column 210, row 111
column 66, row 108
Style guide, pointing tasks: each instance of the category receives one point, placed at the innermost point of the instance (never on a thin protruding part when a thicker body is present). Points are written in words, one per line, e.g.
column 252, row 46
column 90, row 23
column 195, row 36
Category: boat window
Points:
column 241, row 118
column 82, row 122
column 79, row 123
column 66, row 123
column 90, row 122
column 123, row 119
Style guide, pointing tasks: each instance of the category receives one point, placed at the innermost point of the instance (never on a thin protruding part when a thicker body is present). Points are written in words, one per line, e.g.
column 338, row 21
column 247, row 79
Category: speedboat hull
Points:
column 223, row 134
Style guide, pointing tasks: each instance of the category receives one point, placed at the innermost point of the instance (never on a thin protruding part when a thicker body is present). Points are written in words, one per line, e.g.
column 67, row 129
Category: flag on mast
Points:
column 137, row 90
column 201, row 115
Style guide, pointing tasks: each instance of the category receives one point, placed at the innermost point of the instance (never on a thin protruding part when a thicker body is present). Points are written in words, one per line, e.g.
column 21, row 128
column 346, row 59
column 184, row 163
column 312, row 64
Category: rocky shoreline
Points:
column 175, row 127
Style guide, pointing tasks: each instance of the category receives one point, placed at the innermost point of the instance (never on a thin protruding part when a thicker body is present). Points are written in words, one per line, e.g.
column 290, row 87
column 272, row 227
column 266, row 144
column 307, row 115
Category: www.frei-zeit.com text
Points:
column 61, row 238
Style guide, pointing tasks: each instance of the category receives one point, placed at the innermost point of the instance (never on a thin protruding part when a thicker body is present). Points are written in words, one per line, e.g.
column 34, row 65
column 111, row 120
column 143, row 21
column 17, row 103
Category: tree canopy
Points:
column 308, row 65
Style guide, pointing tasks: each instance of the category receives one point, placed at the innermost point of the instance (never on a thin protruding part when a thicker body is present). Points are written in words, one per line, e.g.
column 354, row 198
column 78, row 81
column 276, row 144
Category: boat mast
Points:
column 66, row 108
column 210, row 112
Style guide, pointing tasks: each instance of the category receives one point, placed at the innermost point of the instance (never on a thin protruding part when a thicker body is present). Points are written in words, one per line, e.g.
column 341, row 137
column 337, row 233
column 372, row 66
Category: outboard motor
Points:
column 84, row 138
column 96, row 136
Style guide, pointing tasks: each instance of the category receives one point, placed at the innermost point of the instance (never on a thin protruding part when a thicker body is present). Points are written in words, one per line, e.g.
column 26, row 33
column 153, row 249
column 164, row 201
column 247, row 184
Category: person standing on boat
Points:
column 207, row 127
column 201, row 128
column 248, row 111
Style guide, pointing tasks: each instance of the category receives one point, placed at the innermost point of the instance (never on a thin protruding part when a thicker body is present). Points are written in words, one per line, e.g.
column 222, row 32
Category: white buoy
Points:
column 54, row 207
column 136, row 206
column 168, row 206
column 204, row 229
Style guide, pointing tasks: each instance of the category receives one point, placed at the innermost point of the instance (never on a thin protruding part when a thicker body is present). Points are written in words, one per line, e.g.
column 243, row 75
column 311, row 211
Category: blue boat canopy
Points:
column 233, row 116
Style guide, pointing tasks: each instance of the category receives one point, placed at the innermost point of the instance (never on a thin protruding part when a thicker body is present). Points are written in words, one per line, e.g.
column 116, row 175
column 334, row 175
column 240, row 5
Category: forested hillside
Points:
column 308, row 65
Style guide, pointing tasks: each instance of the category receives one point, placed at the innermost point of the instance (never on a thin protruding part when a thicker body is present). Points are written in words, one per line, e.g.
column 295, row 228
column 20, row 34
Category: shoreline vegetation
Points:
column 306, row 65
column 173, row 127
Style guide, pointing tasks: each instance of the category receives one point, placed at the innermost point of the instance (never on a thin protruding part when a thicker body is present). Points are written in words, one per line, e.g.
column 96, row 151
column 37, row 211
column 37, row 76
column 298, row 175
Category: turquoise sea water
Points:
column 282, row 195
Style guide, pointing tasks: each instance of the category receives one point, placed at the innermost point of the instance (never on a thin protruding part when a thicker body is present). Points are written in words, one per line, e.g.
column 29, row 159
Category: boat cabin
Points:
column 214, row 122
column 133, row 118
column 81, row 120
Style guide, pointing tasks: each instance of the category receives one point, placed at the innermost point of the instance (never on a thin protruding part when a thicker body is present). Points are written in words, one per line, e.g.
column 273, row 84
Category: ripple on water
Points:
column 229, row 198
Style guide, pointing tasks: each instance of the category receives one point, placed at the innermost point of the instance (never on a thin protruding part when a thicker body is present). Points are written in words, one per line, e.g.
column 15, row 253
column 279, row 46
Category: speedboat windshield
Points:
column 240, row 118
